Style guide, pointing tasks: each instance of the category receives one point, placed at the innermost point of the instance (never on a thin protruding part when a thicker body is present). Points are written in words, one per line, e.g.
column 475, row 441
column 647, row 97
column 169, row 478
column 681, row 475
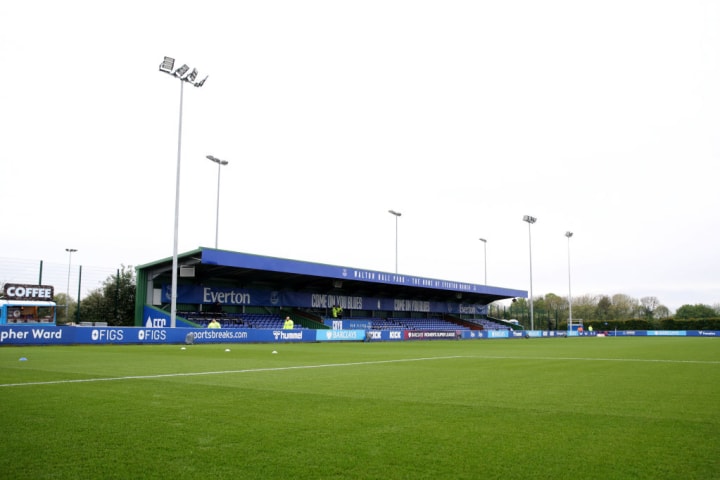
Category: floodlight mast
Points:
column 217, row 209
column 530, row 220
column 181, row 73
column 67, row 299
column 485, row 256
column 569, row 234
column 396, row 214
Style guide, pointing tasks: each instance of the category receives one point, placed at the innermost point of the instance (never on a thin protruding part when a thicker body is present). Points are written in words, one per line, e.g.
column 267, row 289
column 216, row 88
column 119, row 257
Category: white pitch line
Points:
column 224, row 372
column 640, row 360
column 350, row 364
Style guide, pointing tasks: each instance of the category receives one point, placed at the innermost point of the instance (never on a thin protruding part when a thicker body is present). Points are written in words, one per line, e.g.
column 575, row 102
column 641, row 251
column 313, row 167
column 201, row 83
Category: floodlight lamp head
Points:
column 180, row 72
column 483, row 240
column 217, row 160
column 191, row 76
column 397, row 214
column 201, row 82
column 529, row 219
column 568, row 234
column 167, row 65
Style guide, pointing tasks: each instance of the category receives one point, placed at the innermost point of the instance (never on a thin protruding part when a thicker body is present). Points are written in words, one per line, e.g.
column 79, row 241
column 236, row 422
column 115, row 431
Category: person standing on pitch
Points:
column 214, row 324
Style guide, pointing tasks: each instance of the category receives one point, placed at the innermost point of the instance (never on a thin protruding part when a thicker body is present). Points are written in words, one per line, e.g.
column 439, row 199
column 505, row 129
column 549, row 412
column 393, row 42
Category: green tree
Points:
column 584, row 308
column 66, row 309
column 623, row 306
column 649, row 305
column 604, row 308
column 114, row 302
column 695, row 311
column 662, row 311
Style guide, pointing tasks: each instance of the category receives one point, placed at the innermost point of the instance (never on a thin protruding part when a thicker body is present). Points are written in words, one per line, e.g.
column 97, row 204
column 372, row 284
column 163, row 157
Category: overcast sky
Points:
column 600, row 118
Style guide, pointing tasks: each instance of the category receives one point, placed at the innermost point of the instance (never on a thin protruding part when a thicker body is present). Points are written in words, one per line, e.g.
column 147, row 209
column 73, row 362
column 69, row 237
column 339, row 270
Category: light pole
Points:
column 485, row 257
column 181, row 74
column 530, row 220
column 397, row 214
column 220, row 163
column 67, row 299
column 569, row 234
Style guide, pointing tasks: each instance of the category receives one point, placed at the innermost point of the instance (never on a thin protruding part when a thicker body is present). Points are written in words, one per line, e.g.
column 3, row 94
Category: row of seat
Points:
column 238, row 320
column 271, row 321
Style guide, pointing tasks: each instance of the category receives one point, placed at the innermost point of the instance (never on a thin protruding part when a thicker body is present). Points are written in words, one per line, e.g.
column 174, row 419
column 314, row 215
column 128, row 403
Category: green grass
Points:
column 576, row 408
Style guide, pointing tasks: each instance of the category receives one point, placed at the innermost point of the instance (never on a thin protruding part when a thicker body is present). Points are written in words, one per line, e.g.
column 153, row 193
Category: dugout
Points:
column 219, row 281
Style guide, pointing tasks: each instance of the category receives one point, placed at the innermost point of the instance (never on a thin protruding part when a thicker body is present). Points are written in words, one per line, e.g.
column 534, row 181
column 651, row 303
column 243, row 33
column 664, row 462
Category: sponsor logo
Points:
column 448, row 334
column 34, row 333
column 151, row 335
column 156, row 323
column 287, row 335
column 343, row 334
column 106, row 335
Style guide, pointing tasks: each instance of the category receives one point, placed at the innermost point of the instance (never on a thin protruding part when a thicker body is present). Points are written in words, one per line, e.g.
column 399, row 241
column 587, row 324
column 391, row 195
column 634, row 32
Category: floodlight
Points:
column 180, row 72
column 191, row 76
column 167, row 65
column 201, row 82
column 529, row 219
column 216, row 160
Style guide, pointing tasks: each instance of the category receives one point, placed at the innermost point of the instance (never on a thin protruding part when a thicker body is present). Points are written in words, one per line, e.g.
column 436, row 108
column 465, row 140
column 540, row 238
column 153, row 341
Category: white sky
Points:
column 602, row 118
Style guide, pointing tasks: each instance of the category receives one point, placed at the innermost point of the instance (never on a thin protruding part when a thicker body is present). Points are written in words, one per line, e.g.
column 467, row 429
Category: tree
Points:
column 66, row 308
column 584, row 308
column 649, row 304
column 695, row 311
column 114, row 303
column 623, row 306
column 604, row 308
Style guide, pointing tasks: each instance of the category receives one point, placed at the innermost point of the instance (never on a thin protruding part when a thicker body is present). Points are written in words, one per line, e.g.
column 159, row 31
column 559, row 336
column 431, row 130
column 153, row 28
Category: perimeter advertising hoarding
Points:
column 66, row 335
column 69, row 335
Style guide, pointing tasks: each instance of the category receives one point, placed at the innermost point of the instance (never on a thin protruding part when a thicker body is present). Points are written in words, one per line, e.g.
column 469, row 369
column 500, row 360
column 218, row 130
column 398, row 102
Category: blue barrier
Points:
column 87, row 335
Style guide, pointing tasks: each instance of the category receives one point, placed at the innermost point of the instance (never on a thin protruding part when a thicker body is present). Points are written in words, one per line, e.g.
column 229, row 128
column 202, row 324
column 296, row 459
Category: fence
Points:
column 80, row 279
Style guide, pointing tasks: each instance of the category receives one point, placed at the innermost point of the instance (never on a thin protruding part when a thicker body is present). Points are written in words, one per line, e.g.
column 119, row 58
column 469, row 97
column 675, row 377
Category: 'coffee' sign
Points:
column 28, row 292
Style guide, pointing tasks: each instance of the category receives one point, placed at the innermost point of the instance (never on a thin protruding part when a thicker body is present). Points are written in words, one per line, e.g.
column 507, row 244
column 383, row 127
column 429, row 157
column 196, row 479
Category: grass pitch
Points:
column 575, row 408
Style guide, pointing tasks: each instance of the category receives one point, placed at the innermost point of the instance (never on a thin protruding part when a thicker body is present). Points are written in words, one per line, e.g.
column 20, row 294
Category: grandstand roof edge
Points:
column 211, row 256
column 167, row 259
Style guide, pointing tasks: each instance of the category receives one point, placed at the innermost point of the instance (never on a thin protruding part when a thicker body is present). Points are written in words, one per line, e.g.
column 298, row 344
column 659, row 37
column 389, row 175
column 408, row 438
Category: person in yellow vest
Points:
column 214, row 324
column 590, row 329
column 289, row 324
